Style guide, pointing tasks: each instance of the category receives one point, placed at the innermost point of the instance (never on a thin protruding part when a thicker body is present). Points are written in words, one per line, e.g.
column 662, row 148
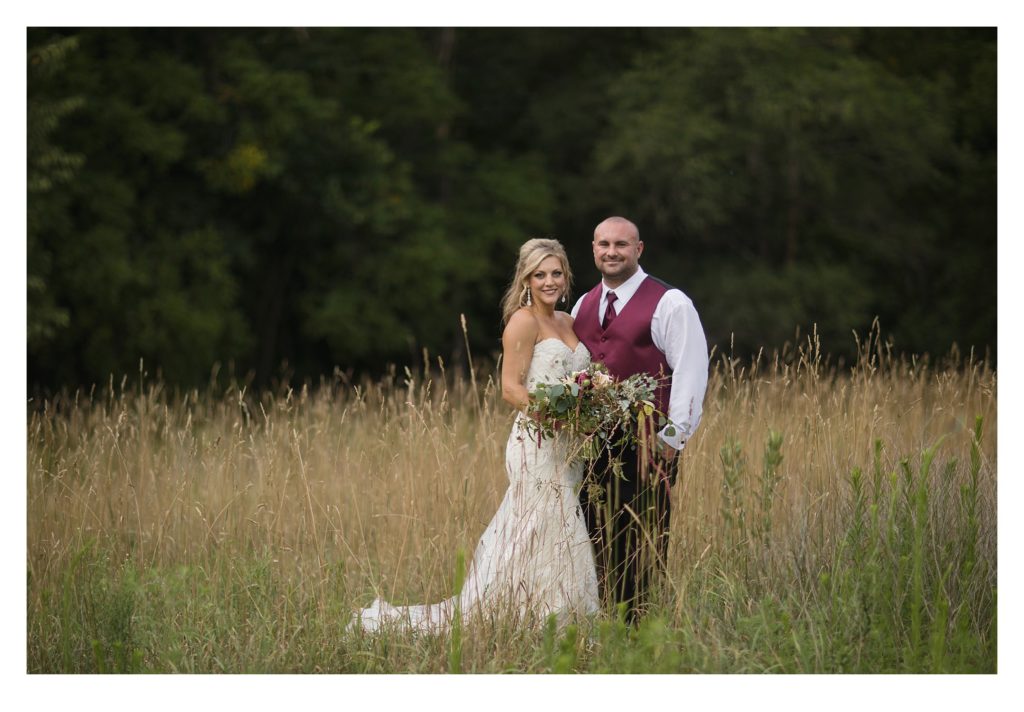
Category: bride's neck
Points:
column 542, row 310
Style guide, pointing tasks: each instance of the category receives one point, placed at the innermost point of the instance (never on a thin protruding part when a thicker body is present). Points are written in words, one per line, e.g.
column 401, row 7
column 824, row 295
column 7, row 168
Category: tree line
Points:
column 285, row 202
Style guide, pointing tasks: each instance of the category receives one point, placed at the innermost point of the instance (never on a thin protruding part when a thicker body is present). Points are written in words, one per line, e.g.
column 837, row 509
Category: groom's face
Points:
column 617, row 251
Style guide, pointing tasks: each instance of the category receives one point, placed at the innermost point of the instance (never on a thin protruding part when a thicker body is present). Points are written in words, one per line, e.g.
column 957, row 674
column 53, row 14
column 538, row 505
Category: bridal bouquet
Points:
column 595, row 408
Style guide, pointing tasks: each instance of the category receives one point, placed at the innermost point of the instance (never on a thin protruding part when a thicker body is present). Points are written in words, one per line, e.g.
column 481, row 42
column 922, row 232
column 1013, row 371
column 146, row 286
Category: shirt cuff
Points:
column 676, row 440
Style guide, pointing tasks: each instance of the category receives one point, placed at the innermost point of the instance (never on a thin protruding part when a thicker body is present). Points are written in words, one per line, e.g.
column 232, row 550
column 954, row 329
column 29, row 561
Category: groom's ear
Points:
column 639, row 247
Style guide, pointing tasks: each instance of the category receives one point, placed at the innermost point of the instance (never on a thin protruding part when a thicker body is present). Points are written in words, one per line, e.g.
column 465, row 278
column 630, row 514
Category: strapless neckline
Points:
column 555, row 338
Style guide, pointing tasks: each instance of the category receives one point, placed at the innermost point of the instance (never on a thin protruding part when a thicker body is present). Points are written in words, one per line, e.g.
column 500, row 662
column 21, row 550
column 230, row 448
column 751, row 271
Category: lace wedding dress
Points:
column 535, row 557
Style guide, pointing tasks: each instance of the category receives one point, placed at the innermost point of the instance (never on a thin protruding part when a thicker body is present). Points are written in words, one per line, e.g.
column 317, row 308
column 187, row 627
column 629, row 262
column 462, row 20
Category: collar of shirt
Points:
column 623, row 292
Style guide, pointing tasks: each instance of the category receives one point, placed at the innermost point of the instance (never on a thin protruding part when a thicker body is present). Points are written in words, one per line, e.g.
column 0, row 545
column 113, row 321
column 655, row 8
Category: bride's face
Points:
column 547, row 282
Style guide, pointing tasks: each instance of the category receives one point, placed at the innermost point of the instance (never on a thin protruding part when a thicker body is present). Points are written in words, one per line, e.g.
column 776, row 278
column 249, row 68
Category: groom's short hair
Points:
column 616, row 220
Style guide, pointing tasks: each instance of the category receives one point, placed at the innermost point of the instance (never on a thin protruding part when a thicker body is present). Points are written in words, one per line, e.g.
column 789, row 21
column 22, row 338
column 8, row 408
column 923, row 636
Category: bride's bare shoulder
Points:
column 522, row 327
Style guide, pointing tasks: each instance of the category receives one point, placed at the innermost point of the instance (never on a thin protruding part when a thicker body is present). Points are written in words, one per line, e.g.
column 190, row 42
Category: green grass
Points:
column 890, row 595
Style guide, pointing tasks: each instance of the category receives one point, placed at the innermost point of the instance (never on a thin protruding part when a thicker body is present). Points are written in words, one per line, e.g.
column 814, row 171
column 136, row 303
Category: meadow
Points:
column 827, row 518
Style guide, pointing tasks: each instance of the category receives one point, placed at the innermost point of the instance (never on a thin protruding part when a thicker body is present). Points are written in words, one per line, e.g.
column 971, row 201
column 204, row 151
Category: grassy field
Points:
column 825, row 520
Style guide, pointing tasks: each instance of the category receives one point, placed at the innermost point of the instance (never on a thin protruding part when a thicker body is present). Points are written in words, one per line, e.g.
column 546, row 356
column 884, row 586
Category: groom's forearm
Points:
column 678, row 333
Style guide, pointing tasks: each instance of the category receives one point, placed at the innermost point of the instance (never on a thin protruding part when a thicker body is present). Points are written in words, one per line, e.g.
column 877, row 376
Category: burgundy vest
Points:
column 627, row 347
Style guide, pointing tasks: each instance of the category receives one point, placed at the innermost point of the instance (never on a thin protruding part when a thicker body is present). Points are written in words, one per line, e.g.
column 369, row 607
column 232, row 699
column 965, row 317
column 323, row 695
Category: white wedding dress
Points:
column 535, row 557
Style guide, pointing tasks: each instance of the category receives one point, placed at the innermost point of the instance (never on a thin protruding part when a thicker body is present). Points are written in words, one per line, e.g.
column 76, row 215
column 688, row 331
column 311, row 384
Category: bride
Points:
column 535, row 557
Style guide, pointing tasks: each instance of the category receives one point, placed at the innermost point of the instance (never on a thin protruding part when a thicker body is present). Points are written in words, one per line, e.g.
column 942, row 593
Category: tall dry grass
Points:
column 224, row 531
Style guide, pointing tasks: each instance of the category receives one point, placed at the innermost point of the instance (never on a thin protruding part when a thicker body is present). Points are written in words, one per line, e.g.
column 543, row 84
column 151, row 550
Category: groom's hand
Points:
column 667, row 452
column 666, row 463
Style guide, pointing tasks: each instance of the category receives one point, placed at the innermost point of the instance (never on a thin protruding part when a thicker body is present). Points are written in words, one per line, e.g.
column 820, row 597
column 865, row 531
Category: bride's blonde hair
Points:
column 531, row 254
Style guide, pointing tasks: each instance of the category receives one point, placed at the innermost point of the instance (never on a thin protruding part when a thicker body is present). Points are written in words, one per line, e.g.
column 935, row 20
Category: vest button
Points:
column 604, row 338
column 600, row 355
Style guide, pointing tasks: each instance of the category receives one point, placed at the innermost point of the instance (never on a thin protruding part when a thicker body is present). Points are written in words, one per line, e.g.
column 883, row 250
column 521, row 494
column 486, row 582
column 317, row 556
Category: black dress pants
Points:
column 628, row 521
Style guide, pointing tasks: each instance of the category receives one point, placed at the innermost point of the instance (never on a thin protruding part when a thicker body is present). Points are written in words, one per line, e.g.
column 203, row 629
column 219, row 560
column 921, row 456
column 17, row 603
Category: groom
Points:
column 634, row 323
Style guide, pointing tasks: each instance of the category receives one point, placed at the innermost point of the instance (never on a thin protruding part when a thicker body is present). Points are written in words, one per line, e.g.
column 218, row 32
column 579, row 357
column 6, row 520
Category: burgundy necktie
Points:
column 609, row 311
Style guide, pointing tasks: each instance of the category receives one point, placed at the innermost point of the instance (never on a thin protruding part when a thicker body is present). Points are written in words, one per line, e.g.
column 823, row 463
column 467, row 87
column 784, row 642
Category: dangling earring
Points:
column 564, row 298
column 527, row 290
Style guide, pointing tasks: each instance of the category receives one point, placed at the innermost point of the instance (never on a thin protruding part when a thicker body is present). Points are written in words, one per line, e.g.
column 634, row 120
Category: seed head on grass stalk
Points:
column 469, row 359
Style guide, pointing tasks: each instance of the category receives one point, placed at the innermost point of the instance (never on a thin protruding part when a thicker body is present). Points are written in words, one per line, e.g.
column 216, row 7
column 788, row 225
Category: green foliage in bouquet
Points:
column 595, row 409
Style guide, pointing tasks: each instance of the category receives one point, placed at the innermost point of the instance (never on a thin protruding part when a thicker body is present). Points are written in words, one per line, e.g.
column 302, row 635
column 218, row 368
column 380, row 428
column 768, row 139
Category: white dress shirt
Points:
column 677, row 333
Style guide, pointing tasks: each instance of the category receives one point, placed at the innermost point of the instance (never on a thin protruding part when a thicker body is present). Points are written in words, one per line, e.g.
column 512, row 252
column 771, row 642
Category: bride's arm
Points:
column 517, row 351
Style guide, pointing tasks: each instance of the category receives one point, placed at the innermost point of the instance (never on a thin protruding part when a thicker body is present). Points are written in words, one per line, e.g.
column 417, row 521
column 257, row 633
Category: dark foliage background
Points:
column 286, row 201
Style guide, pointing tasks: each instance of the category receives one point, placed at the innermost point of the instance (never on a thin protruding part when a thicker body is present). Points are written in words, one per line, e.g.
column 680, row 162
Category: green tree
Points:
column 338, row 197
column 138, row 266
column 49, row 167
column 786, row 153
